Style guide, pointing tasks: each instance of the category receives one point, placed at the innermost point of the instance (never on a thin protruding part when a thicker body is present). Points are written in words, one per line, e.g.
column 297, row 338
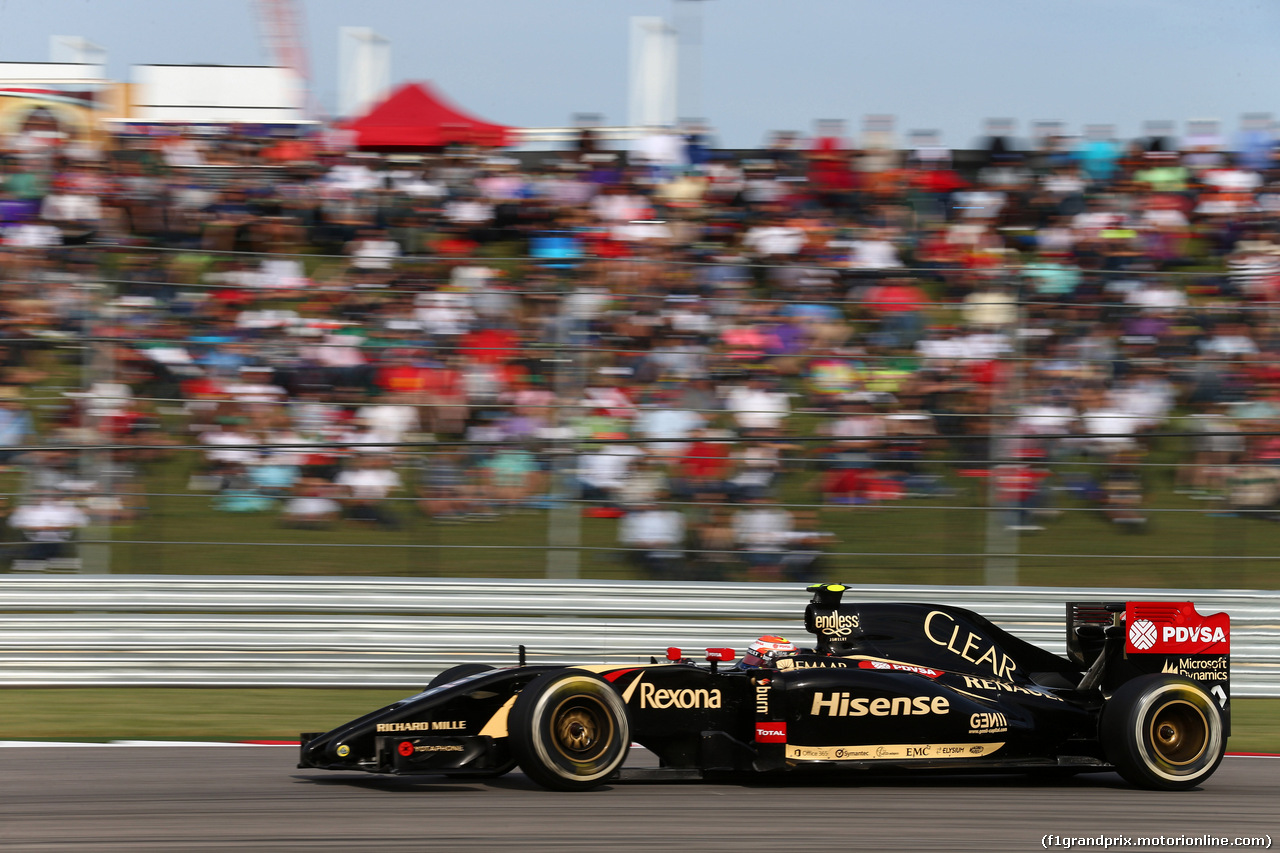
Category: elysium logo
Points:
column 1142, row 634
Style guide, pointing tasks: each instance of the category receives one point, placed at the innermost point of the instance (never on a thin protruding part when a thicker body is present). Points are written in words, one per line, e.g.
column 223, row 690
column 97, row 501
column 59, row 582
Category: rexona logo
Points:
column 771, row 732
column 653, row 697
column 843, row 705
column 986, row 724
column 1174, row 627
column 899, row 667
column 836, row 624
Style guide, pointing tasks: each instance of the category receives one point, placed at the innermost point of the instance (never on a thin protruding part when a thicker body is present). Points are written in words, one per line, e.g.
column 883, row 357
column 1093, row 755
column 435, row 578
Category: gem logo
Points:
column 899, row 667
column 771, row 732
column 1142, row 634
column 989, row 723
column 344, row 751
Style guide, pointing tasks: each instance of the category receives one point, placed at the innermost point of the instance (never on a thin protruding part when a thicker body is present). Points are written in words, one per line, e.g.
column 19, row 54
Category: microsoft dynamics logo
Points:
column 1142, row 634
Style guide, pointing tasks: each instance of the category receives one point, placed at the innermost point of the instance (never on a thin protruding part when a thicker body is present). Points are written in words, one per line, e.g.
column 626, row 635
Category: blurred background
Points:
column 256, row 321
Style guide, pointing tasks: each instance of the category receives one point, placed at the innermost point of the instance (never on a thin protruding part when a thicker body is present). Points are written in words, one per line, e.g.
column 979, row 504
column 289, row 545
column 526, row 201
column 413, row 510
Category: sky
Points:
column 765, row 65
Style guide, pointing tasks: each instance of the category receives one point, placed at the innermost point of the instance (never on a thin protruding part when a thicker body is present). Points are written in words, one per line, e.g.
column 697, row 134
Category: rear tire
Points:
column 569, row 731
column 1163, row 732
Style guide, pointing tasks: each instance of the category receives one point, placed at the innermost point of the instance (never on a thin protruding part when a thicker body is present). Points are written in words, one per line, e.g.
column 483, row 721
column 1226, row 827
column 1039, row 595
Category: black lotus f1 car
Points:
column 1144, row 690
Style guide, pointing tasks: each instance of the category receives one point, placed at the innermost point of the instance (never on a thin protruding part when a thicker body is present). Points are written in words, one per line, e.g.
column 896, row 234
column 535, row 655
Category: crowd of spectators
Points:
column 670, row 336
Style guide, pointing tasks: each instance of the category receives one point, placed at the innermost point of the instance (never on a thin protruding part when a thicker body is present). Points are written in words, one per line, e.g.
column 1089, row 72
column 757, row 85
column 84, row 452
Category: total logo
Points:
column 771, row 732
column 1173, row 627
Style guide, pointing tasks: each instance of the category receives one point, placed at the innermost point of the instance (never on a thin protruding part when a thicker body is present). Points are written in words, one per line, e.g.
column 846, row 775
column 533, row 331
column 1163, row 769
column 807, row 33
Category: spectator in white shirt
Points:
column 657, row 538
column 762, row 531
column 367, row 483
column 758, row 406
column 48, row 525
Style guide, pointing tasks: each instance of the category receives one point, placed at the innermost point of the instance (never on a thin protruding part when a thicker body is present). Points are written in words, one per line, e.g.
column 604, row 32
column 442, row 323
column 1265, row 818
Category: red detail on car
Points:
column 721, row 654
column 405, row 748
column 1174, row 628
column 616, row 674
column 674, row 654
column 885, row 666
column 771, row 732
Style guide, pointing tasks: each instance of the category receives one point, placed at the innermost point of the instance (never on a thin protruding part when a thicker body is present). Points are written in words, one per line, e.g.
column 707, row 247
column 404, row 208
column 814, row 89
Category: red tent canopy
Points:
column 414, row 116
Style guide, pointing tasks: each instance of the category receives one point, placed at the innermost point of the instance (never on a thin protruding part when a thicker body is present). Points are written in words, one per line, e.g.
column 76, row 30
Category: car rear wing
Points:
column 1165, row 637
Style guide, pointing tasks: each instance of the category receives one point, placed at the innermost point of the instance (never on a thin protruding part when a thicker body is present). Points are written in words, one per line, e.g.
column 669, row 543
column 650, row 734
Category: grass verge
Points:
column 80, row 714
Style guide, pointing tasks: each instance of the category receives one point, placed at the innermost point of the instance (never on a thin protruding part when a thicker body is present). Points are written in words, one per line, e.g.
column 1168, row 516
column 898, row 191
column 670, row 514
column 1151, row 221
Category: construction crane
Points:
column 281, row 26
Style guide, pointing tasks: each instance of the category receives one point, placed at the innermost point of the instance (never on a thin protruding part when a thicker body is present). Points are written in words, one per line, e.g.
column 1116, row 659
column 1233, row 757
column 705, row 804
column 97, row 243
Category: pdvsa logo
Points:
column 1174, row 627
column 1143, row 634
column 1194, row 634
column 928, row 672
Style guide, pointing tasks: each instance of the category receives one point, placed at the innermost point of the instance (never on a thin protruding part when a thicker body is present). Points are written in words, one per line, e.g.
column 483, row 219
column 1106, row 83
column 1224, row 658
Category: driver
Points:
column 765, row 652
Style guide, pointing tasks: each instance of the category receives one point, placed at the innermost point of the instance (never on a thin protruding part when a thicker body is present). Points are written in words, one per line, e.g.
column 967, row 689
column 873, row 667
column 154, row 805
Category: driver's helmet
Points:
column 766, row 651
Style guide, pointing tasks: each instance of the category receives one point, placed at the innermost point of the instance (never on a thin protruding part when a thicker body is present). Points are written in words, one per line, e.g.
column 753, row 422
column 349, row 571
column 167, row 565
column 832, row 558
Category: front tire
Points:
column 569, row 731
column 1163, row 732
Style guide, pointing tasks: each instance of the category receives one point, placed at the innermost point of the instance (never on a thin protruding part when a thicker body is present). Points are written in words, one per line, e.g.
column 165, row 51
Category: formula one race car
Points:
column 1144, row 690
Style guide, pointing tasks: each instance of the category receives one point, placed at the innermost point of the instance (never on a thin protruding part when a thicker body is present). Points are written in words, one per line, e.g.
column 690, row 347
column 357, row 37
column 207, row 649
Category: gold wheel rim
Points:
column 1179, row 732
column 580, row 729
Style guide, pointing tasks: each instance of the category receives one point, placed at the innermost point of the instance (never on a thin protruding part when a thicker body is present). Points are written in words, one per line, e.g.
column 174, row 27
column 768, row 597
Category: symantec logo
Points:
column 1174, row 627
column 771, row 732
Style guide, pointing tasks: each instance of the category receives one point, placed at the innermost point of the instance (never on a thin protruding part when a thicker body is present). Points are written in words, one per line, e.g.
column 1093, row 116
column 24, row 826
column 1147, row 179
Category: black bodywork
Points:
column 884, row 687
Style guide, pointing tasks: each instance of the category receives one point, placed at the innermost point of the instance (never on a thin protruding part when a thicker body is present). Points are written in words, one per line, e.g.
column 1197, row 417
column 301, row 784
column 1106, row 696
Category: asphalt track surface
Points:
column 180, row 798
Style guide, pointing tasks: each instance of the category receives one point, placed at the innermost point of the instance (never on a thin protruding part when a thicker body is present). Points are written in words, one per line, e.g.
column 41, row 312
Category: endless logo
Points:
column 836, row 624
column 652, row 697
column 841, row 705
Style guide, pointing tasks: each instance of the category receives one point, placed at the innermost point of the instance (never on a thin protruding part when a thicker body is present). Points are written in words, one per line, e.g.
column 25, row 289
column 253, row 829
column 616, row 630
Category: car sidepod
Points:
column 846, row 711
